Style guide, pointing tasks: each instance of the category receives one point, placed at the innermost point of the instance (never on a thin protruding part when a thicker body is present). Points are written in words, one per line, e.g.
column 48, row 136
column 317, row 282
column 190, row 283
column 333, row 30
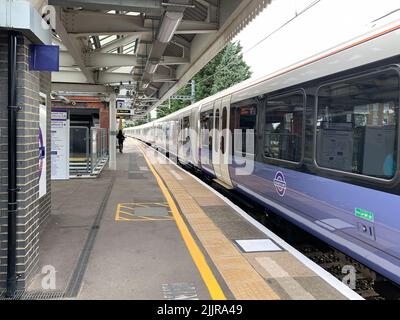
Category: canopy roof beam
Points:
column 146, row 6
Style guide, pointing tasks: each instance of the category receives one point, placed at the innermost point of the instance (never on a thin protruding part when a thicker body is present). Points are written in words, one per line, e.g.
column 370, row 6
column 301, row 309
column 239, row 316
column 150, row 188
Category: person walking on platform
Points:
column 121, row 138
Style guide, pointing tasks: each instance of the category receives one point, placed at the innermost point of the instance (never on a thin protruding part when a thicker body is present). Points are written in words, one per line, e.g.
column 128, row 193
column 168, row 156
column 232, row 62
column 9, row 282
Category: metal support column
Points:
column 12, row 166
column 112, row 162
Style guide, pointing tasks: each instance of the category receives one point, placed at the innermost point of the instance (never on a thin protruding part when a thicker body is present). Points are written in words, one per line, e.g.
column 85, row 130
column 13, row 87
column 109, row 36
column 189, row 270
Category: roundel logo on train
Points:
column 280, row 183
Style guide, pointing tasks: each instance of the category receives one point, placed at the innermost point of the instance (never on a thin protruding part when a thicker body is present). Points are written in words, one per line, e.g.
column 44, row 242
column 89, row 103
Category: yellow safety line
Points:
column 197, row 256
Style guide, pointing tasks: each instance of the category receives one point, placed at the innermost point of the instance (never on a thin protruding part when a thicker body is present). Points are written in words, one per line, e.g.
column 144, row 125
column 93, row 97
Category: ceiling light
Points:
column 169, row 25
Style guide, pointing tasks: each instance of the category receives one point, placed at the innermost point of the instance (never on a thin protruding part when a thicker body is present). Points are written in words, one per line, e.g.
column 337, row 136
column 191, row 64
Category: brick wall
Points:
column 81, row 103
column 31, row 211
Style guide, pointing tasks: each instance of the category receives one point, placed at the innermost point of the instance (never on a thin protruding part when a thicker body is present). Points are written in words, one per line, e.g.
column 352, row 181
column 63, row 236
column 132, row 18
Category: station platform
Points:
column 150, row 230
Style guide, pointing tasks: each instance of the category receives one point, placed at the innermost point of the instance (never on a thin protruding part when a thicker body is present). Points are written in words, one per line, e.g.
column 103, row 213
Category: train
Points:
column 320, row 139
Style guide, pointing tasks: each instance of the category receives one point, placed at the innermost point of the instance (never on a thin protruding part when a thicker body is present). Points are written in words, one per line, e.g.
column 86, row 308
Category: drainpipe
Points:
column 12, row 165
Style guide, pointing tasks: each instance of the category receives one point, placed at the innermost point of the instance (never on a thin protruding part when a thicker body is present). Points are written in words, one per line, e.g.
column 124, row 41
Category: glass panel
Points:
column 357, row 125
column 78, row 143
column 206, row 124
column 243, row 117
column 93, row 147
column 283, row 130
column 79, row 150
column 186, row 135
column 224, row 118
column 216, row 128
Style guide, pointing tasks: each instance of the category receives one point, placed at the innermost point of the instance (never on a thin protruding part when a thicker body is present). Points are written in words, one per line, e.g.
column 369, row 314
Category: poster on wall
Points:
column 42, row 144
column 59, row 145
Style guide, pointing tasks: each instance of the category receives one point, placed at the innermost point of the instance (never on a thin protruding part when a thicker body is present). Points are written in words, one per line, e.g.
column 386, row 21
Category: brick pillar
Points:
column 31, row 211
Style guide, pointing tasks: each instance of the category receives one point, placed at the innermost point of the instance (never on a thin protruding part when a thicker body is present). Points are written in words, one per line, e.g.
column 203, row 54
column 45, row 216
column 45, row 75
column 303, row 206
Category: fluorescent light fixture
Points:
column 151, row 67
column 169, row 25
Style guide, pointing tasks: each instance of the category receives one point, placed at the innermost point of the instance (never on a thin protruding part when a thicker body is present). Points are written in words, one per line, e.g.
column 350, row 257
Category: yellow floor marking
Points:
column 126, row 212
column 162, row 204
column 123, row 219
column 240, row 276
column 198, row 257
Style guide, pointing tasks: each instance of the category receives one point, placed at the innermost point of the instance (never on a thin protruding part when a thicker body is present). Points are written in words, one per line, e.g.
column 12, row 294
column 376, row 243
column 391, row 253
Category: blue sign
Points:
column 280, row 183
column 44, row 58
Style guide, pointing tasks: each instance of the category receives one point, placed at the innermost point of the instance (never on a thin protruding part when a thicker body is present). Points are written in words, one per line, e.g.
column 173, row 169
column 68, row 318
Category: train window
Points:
column 357, row 121
column 283, row 127
column 217, row 129
column 224, row 118
column 206, row 125
column 186, row 123
column 243, row 117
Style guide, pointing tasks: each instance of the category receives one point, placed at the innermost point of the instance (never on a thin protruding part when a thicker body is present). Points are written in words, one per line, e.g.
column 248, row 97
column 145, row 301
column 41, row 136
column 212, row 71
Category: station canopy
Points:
column 149, row 47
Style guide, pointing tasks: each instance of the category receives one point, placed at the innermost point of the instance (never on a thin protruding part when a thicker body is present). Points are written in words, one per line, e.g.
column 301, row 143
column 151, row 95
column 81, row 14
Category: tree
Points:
column 138, row 122
column 231, row 69
column 224, row 70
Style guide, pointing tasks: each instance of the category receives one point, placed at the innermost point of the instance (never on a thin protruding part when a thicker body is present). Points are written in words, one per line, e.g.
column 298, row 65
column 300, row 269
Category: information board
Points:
column 59, row 145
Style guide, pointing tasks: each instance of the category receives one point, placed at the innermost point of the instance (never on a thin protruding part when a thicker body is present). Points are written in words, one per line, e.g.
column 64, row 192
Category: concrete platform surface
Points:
column 151, row 231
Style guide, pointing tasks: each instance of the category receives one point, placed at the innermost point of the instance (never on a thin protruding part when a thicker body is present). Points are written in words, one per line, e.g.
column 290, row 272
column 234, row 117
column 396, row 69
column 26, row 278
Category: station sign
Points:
column 120, row 104
column 126, row 112
column 44, row 58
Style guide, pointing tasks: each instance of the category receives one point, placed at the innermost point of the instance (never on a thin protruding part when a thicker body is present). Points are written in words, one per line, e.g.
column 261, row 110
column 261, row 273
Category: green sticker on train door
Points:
column 364, row 214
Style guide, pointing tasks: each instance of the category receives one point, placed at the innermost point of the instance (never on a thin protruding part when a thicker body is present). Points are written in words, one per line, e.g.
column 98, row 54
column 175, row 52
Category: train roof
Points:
column 378, row 44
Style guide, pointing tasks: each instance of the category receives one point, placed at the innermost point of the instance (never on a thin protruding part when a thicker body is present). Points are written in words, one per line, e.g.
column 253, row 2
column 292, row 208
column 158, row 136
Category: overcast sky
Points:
column 289, row 31
column 324, row 25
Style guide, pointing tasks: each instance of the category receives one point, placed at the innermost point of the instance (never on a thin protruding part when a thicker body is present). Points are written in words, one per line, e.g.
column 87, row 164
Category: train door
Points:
column 206, row 119
column 194, row 136
column 222, row 139
column 184, row 146
column 173, row 139
column 166, row 136
column 179, row 140
column 215, row 139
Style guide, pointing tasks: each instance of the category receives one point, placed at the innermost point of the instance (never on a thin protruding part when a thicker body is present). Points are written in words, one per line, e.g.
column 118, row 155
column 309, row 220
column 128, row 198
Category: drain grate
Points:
column 35, row 295
column 179, row 291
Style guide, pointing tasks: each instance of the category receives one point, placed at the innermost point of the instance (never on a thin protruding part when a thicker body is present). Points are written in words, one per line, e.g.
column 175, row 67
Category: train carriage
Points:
column 322, row 137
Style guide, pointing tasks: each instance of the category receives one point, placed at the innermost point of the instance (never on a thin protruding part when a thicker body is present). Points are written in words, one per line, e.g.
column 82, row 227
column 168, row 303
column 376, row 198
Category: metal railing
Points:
column 88, row 150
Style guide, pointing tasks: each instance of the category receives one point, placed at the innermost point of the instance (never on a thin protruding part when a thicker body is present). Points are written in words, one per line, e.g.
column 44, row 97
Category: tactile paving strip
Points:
column 242, row 279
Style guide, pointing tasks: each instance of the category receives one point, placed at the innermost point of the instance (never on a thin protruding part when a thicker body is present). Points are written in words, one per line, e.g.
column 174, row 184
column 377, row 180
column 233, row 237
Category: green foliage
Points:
column 139, row 122
column 224, row 70
column 231, row 69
